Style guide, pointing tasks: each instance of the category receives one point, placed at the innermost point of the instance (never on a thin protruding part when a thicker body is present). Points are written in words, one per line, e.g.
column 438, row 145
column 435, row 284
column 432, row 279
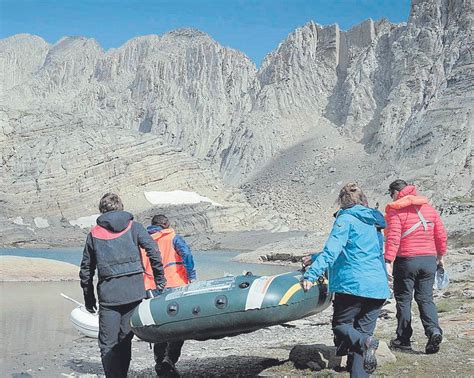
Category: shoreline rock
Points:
column 33, row 269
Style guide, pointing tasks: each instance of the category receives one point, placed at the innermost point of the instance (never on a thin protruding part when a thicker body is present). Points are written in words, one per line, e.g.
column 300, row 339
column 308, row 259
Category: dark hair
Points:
column 110, row 202
column 160, row 220
column 351, row 195
column 397, row 185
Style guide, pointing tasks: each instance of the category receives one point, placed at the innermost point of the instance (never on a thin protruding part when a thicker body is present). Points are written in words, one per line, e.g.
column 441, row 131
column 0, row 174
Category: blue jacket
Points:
column 379, row 225
column 182, row 249
column 353, row 254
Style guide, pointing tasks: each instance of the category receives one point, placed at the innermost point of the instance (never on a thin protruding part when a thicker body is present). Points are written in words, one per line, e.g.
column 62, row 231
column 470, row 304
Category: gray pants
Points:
column 415, row 274
column 171, row 351
column 353, row 321
column 115, row 338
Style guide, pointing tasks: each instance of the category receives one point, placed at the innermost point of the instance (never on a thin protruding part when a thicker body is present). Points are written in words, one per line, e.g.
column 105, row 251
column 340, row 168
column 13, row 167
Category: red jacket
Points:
column 402, row 237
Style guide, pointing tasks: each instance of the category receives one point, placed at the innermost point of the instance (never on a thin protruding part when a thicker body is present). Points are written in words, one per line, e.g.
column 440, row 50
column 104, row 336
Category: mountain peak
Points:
column 20, row 39
column 187, row 33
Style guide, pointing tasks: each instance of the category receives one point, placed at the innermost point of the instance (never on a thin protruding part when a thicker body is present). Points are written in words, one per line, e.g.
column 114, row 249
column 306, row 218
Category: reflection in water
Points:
column 33, row 315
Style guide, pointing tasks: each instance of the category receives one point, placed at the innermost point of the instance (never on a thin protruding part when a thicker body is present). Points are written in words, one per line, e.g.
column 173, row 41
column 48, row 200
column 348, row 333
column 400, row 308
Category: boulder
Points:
column 321, row 356
column 315, row 357
column 384, row 354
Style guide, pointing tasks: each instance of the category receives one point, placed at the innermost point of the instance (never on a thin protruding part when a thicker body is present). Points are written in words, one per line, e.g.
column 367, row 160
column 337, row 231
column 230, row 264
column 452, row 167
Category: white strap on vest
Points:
column 422, row 221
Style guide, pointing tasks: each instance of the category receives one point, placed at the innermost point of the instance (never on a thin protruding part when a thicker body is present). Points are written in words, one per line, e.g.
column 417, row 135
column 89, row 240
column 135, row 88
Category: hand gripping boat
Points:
column 227, row 306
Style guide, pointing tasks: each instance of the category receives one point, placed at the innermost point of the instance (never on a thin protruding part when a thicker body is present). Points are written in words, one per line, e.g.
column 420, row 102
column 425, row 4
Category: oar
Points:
column 72, row 300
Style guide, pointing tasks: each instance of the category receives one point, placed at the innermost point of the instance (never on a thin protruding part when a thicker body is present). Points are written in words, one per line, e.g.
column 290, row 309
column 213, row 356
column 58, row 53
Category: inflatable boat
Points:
column 85, row 322
column 82, row 320
column 227, row 306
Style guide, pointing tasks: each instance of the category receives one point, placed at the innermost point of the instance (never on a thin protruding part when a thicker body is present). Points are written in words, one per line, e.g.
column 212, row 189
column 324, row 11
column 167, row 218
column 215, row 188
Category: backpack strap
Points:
column 422, row 219
column 422, row 222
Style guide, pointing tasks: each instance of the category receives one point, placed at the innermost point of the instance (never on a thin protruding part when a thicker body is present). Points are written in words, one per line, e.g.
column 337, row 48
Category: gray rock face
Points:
column 398, row 99
column 55, row 167
column 21, row 57
column 182, row 86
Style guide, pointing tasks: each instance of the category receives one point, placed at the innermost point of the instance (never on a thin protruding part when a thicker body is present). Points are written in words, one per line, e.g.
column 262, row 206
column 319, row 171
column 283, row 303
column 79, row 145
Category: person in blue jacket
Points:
column 160, row 225
column 356, row 271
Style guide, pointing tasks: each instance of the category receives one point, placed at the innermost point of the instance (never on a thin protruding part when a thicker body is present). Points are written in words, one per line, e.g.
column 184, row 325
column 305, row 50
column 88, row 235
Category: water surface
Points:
column 209, row 264
column 34, row 317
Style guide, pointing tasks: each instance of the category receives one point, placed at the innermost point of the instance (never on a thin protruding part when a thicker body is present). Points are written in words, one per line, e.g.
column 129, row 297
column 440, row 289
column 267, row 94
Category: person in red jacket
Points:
column 415, row 241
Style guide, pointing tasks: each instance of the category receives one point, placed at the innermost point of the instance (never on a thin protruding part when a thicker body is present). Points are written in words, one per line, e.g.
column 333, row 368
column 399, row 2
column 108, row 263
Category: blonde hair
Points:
column 351, row 195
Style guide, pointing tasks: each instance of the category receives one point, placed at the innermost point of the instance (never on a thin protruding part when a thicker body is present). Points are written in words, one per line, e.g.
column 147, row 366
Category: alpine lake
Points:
column 34, row 316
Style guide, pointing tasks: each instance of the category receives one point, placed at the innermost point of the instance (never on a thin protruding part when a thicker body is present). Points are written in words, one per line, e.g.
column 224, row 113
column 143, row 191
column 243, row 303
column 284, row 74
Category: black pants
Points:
column 353, row 321
column 418, row 274
column 171, row 351
column 115, row 338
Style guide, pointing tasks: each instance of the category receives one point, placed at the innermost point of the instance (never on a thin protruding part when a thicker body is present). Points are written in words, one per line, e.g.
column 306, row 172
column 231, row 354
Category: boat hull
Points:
column 227, row 306
column 85, row 322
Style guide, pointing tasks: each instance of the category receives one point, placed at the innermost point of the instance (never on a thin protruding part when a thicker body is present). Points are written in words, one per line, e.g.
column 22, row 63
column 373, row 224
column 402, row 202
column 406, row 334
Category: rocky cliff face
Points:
column 182, row 86
column 404, row 91
column 377, row 101
column 55, row 167
column 409, row 95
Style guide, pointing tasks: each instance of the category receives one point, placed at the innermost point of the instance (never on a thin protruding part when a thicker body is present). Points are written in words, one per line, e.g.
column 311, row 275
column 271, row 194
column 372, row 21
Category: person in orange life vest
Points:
column 415, row 241
column 179, row 270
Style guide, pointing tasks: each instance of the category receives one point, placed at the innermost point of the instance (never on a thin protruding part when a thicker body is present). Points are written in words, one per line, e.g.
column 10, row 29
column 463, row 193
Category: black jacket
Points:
column 112, row 248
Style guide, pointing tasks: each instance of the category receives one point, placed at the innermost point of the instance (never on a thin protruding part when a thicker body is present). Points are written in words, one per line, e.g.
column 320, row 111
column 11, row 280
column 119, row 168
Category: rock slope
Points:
column 378, row 101
column 56, row 166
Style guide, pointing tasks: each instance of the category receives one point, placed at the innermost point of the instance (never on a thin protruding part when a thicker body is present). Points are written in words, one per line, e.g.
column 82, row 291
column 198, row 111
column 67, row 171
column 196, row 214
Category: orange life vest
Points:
column 175, row 271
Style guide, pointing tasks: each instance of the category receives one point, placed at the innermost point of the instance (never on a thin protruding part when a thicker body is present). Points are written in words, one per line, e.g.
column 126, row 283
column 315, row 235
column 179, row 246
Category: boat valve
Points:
column 221, row 302
column 172, row 309
column 244, row 285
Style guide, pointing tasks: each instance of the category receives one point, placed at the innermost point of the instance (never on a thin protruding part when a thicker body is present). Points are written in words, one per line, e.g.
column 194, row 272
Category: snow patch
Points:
column 41, row 222
column 85, row 222
column 177, row 197
column 19, row 221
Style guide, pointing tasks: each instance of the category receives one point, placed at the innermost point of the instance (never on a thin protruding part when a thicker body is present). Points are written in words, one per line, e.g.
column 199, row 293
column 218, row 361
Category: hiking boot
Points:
column 168, row 369
column 370, row 360
column 432, row 346
column 400, row 344
column 158, row 368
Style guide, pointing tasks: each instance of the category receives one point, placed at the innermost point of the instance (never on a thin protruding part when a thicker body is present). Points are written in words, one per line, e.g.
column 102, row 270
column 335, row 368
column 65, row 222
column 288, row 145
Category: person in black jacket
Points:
column 112, row 247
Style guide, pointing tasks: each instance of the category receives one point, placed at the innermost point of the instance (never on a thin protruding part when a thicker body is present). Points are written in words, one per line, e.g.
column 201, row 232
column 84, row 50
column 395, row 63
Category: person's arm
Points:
column 379, row 218
column 185, row 252
column 86, row 274
column 393, row 235
column 334, row 246
column 440, row 238
column 151, row 249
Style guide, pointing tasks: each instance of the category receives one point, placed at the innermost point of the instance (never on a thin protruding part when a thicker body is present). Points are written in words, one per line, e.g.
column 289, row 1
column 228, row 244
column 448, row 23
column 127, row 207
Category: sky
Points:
column 255, row 27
